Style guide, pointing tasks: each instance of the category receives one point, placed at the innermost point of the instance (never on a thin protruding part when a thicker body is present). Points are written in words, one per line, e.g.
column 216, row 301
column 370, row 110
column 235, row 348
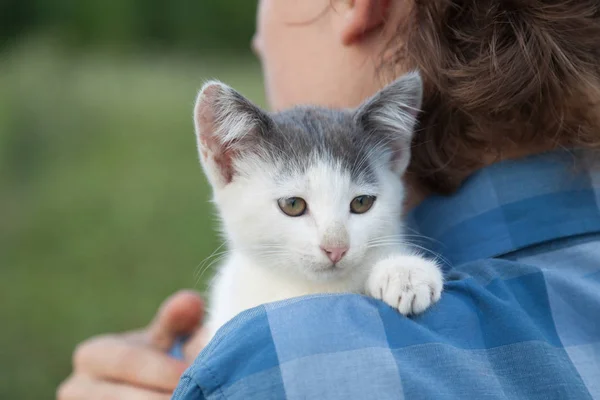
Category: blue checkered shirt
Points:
column 519, row 317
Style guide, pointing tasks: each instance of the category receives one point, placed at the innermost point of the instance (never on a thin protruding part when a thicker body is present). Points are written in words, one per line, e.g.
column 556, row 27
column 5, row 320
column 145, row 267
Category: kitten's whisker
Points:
column 215, row 253
column 207, row 268
column 405, row 236
column 418, row 234
column 433, row 253
column 386, row 244
column 207, row 259
column 408, row 244
column 213, row 262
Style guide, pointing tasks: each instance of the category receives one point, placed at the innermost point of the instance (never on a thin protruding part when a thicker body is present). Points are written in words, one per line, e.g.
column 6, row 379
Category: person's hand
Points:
column 134, row 365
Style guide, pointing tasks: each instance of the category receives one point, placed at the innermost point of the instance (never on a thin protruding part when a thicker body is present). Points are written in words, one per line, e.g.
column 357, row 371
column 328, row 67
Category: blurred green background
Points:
column 103, row 207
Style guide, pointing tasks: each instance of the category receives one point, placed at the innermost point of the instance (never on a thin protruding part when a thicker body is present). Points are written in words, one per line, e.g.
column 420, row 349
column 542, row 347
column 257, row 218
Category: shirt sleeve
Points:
column 489, row 337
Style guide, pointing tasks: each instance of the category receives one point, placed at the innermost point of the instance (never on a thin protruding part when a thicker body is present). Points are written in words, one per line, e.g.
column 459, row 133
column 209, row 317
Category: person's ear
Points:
column 362, row 17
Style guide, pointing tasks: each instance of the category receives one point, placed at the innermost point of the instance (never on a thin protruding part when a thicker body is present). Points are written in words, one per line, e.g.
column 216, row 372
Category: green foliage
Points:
column 193, row 25
column 103, row 207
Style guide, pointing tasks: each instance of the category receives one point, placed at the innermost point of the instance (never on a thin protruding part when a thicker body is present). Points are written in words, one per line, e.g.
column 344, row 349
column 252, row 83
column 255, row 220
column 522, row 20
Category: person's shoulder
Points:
column 500, row 315
column 247, row 353
column 342, row 343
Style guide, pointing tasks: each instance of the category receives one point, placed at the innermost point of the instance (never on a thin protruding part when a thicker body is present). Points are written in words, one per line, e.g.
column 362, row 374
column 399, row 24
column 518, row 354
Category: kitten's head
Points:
column 310, row 190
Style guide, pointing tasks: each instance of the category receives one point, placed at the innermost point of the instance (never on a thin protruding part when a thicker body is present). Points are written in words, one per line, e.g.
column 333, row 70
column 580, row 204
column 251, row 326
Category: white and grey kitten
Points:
column 311, row 200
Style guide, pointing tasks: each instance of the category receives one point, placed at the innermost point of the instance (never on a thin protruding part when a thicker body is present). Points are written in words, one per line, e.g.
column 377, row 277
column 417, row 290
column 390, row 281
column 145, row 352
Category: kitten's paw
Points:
column 408, row 283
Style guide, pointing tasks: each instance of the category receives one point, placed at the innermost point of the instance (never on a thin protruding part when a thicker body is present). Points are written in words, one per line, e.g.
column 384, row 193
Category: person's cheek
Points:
column 255, row 45
column 273, row 59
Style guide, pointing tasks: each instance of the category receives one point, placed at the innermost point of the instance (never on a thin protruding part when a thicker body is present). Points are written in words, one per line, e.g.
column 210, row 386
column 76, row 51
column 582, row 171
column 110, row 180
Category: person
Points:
column 503, row 186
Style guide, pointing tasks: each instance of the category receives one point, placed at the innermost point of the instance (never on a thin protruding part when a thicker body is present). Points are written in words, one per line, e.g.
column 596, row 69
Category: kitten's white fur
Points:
column 273, row 256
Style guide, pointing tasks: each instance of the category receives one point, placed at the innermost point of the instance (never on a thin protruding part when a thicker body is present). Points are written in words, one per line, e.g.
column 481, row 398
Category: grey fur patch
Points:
column 380, row 130
column 303, row 134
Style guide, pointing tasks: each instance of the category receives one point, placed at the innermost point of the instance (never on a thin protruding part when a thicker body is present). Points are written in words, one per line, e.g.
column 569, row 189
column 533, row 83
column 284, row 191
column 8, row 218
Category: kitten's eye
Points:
column 292, row 206
column 361, row 204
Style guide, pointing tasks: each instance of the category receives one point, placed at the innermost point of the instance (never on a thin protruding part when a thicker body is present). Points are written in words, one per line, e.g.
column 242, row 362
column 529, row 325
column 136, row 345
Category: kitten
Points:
column 311, row 200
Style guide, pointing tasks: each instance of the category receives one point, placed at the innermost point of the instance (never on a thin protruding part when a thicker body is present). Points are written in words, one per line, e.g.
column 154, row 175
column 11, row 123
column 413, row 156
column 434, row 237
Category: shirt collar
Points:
column 511, row 205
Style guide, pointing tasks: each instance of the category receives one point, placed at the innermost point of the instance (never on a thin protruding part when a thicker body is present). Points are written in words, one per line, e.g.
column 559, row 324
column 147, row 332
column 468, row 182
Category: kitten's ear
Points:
column 226, row 125
column 390, row 117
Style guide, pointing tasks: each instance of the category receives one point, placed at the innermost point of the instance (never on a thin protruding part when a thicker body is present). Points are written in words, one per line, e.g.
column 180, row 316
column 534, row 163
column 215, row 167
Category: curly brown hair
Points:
column 499, row 75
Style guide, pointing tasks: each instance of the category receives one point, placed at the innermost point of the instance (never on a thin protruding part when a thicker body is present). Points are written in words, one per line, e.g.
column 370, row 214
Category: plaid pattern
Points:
column 519, row 318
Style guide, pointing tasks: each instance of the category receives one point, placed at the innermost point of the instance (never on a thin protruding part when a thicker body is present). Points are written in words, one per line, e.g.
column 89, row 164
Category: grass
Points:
column 103, row 207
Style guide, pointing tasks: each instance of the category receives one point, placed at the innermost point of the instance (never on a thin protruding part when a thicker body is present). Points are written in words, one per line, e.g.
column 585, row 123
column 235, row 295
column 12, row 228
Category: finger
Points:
column 180, row 314
column 81, row 387
column 115, row 359
column 195, row 344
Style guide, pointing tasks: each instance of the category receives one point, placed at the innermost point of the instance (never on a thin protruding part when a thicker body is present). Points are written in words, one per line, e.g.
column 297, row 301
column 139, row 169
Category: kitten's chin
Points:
column 328, row 272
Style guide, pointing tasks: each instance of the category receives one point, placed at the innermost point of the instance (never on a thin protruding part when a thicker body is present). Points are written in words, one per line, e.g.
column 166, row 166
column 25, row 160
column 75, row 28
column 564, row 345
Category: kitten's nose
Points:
column 335, row 254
